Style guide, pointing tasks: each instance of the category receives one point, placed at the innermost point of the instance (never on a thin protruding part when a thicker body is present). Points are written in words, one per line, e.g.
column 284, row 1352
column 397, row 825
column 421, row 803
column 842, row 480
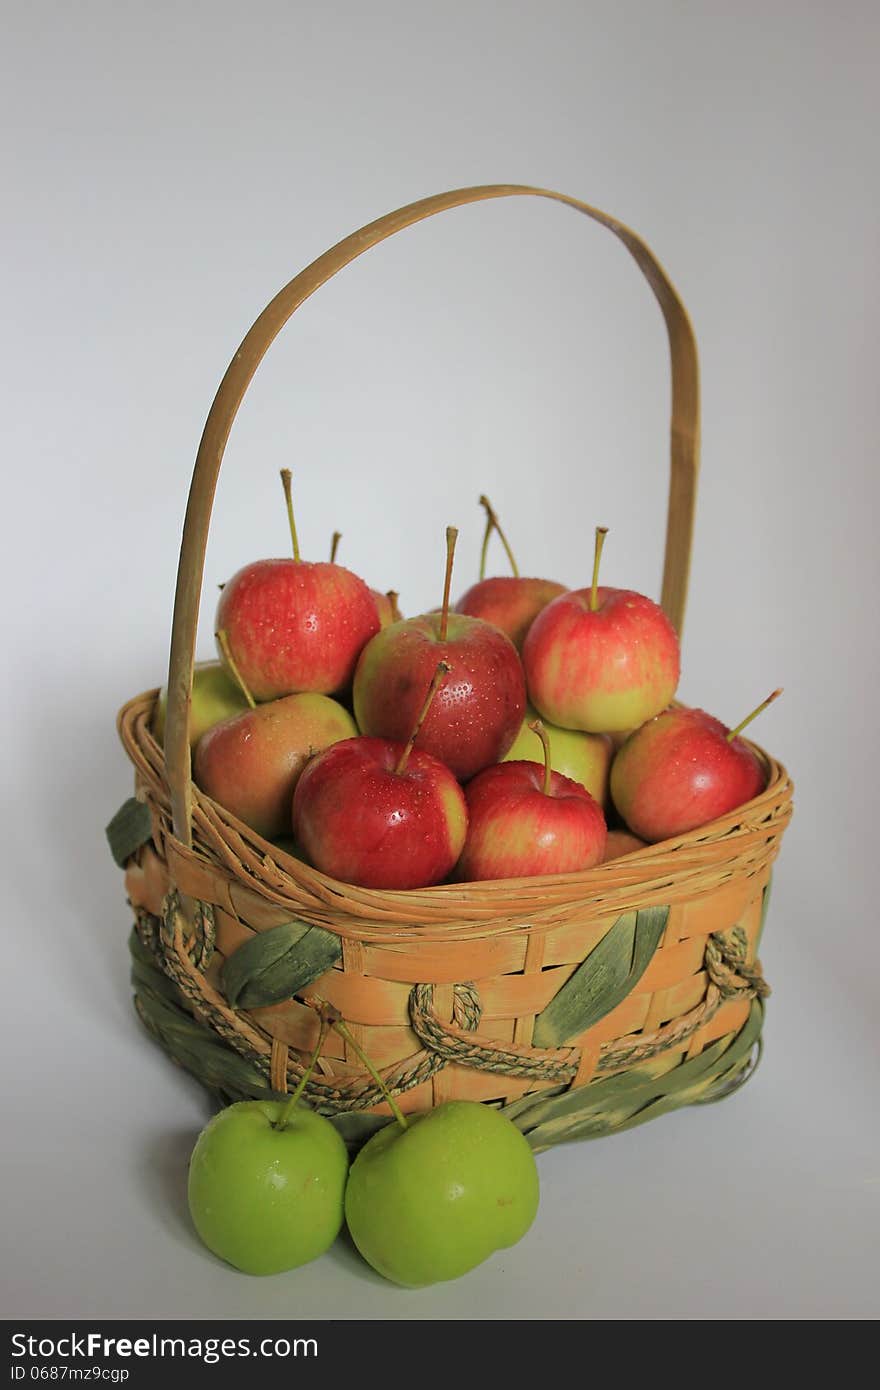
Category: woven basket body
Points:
column 581, row 1003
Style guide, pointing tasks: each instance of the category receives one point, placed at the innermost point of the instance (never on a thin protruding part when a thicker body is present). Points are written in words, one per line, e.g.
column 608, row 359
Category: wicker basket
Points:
column 581, row 1003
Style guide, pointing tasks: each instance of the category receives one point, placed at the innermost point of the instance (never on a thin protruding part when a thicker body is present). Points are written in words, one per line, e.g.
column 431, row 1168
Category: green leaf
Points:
column 276, row 964
column 610, row 972
column 631, row 1098
column 130, row 828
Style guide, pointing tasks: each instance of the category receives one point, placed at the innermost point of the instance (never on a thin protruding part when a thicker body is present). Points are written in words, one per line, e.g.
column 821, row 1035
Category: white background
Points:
column 167, row 168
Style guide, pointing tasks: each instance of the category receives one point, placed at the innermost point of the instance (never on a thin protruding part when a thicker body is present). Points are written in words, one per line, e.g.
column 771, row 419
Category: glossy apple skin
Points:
column 360, row 821
column 509, row 603
column 516, row 831
column 679, row 772
column 432, row 1201
column 251, row 763
column 585, row 758
column 293, row 626
column 266, row 1199
column 215, row 696
column 601, row 671
column 477, row 710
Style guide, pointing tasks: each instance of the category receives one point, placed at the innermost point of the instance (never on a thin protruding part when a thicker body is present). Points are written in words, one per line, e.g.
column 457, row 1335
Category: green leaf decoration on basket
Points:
column 632, row 1097
column 193, row 1046
column 276, row 964
column 611, row 970
column 130, row 828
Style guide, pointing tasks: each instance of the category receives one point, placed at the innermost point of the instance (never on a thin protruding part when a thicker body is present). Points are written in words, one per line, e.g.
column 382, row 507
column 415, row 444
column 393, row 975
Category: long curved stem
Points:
column 538, row 728
column 442, row 670
column 601, row 533
column 754, row 714
column 493, row 524
column 284, row 1118
column 359, row 1052
column 223, row 643
column 451, row 538
column 285, row 483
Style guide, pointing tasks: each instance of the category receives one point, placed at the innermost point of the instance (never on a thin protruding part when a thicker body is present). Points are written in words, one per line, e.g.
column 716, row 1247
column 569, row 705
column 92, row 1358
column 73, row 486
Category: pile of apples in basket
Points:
column 489, row 740
column 483, row 741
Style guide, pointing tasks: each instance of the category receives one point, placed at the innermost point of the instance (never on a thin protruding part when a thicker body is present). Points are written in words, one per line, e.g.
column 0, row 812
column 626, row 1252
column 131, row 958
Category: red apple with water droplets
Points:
column 295, row 626
column 526, row 821
column 478, row 710
column 682, row 770
column 381, row 814
column 386, row 604
column 509, row 602
column 601, row 659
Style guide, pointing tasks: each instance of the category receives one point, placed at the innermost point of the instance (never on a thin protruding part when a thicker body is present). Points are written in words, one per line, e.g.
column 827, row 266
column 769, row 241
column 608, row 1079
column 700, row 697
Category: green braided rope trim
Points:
column 605, row 1106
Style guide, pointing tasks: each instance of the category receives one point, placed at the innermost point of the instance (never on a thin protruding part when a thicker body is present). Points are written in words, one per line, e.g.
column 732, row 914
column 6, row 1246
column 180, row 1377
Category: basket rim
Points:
column 751, row 831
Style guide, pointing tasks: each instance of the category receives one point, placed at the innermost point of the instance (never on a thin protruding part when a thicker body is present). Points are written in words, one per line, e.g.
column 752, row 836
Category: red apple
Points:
column 526, row 821
column 619, row 843
column 381, row 814
column 601, row 659
column 682, row 770
column 250, row 764
column 387, row 606
column 478, row 710
column 585, row 758
column 509, row 602
column 294, row 626
column 386, row 603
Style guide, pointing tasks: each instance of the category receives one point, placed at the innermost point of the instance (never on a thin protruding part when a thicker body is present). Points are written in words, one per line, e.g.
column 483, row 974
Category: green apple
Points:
column 268, row 1196
column 585, row 758
column 431, row 1200
column 215, row 696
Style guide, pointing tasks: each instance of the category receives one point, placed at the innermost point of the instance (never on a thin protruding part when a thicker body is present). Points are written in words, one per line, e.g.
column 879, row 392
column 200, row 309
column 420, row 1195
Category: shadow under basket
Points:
column 579, row 1004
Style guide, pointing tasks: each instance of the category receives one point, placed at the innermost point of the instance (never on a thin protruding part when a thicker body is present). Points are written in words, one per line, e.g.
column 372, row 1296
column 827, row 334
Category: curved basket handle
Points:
column 684, row 445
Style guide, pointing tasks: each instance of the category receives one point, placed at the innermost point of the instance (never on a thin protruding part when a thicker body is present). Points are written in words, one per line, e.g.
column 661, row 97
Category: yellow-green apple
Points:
column 294, row 626
column 250, row 763
column 433, row 1196
column 525, row 821
column 601, row 659
column 266, row 1186
column 509, row 602
column 215, row 696
column 683, row 769
column 381, row 814
column 478, row 710
column 585, row 758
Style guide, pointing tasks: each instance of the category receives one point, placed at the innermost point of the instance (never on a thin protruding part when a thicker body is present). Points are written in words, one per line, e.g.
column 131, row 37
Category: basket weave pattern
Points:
column 581, row 1003
column 469, row 967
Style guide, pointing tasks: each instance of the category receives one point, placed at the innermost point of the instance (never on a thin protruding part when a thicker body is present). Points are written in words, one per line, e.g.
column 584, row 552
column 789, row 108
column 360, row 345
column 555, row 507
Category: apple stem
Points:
column 493, row 524
column 284, row 1118
column 601, row 533
column 538, row 728
column 334, row 546
column 442, row 670
column 451, row 538
column 356, row 1048
column 754, row 714
column 392, row 596
column 223, row 643
column 285, row 483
